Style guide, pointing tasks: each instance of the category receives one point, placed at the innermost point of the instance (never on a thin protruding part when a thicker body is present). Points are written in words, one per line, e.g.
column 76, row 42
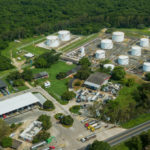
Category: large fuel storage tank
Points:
column 146, row 66
column 136, row 51
column 64, row 35
column 109, row 65
column 106, row 44
column 100, row 54
column 144, row 42
column 82, row 50
column 52, row 41
column 123, row 60
column 118, row 36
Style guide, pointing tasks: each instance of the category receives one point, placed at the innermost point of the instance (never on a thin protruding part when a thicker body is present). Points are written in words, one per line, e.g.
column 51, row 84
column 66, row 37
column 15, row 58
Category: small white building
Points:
column 32, row 130
column 47, row 84
column 29, row 55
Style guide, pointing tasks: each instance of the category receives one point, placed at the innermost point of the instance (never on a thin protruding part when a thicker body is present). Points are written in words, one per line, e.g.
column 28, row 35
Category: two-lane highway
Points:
column 128, row 134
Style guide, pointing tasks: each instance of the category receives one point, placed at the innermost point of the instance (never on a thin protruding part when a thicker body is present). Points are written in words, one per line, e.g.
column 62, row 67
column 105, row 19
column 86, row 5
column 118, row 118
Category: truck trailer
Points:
column 95, row 128
column 84, row 120
column 88, row 137
column 90, row 123
column 90, row 126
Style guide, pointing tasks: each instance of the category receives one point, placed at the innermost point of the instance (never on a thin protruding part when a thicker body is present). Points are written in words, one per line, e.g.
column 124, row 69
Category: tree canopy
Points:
column 48, row 105
column 67, row 120
column 99, row 145
column 61, row 75
column 84, row 61
column 68, row 95
column 6, row 142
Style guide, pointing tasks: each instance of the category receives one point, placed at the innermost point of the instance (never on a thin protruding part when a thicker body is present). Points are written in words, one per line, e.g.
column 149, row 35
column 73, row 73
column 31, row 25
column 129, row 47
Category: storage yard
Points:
column 131, row 53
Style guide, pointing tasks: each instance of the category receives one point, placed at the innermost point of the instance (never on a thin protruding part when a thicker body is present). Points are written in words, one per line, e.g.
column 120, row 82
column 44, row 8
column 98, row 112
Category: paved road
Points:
column 128, row 134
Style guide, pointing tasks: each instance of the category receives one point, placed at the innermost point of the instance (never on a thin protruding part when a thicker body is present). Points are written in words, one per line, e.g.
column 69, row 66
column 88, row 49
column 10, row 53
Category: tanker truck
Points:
column 88, row 137
column 90, row 126
column 95, row 128
column 90, row 123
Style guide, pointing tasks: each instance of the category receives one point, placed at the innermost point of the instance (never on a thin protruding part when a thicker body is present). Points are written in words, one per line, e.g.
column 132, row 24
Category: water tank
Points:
column 109, row 65
column 106, row 44
column 64, row 35
column 144, row 42
column 146, row 66
column 136, row 51
column 123, row 60
column 118, row 36
column 100, row 54
column 52, row 41
column 82, row 50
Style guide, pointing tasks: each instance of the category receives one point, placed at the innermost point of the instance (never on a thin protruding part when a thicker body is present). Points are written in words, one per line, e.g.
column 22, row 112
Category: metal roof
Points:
column 41, row 74
column 74, row 70
column 41, row 98
column 17, row 102
column 2, row 84
column 96, row 79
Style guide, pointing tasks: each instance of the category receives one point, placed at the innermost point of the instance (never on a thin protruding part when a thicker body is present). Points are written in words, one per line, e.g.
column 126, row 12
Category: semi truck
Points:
column 90, row 123
column 95, row 128
column 90, row 126
column 84, row 120
column 88, row 137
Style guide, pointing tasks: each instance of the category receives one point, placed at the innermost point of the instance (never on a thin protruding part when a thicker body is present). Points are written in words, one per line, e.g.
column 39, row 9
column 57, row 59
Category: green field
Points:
column 125, row 95
column 134, row 32
column 58, row 87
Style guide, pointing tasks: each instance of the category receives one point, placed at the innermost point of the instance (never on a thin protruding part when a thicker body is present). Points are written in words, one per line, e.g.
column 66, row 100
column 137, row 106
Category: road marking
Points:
column 128, row 133
column 72, row 128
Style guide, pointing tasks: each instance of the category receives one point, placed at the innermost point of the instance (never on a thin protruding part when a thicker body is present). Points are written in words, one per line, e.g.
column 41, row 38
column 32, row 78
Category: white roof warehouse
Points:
column 17, row 102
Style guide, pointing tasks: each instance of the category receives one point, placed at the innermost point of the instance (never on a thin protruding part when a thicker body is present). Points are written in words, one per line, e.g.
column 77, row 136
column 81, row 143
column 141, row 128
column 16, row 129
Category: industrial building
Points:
column 43, row 74
column 17, row 104
column 96, row 80
column 16, row 144
column 2, row 84
column 73, row 71
column 32, row 130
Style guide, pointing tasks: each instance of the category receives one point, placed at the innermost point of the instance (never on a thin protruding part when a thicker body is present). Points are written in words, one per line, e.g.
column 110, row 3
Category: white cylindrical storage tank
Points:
column 109, row 65
column 82, row 50
column 100, row 54
column 144, row 42
column 64, row 35
column 136, row 51
column 118, row 36
column 106, row 44
column 146, row 66
column 123, row 60
column 52, row 41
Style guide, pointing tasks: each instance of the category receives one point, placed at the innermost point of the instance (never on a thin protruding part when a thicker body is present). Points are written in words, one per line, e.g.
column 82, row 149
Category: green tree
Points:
column 99, row 145
column 130, row 82
column 46, row 121
column 6, row 142
column 68, row 95
column 48, row 105
column 42, row 135
column 4, row 129
column 147, row 76
column 123, row 81
column 78, row 83
column 40, row 63
column 118, row 73
column 137, row 143
column 140, row 26
column 27, row 74
column 61, row 75
column 12, row 125
column 67, row 120
column 84, row 61
column 15, row 75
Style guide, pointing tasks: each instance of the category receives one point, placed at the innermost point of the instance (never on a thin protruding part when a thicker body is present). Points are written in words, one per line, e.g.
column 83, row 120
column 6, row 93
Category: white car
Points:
column 12, row 135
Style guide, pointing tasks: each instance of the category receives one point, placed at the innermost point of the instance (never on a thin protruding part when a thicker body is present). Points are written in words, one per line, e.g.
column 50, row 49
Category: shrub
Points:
column 67, row 120
column 147, row 76
column 61, row 75
column 57, row 116
column 12, row 125
column 6, row 142
column 140, row 26
column 78, row 83
column 68, row 95
column 75, row 109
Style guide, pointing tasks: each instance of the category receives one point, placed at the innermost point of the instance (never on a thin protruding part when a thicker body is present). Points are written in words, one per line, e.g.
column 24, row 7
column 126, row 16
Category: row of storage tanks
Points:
column 119, row 37
column 53, row 41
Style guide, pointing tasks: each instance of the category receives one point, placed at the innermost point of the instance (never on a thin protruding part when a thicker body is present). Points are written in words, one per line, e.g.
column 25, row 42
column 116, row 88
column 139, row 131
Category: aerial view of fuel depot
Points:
column 74, row 75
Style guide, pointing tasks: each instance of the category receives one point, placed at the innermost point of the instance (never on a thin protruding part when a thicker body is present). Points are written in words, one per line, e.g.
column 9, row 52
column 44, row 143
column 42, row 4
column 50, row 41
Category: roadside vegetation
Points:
column 75, row 109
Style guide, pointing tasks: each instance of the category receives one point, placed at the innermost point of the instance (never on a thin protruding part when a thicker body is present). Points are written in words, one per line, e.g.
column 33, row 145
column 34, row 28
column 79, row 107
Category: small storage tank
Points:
column 52, row 41
column 146, row 66
column 106, row 44
column 109, row 65
column 144, row 42
column 136, row 51
column 118, row 36
column 123, row 60
column 100, row 54
column 82, row 50
column 64, row 35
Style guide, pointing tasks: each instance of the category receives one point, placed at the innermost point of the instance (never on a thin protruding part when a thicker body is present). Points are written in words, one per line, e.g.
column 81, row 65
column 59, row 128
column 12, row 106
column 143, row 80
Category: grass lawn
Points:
column 58, row 87
column 125, row 95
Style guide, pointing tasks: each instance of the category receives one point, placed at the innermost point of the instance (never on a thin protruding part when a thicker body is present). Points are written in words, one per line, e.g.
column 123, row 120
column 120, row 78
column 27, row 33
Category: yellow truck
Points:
column 93, row 125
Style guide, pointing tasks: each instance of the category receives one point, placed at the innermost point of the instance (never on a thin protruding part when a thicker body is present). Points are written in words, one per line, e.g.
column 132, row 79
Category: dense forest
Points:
column 24, row 18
